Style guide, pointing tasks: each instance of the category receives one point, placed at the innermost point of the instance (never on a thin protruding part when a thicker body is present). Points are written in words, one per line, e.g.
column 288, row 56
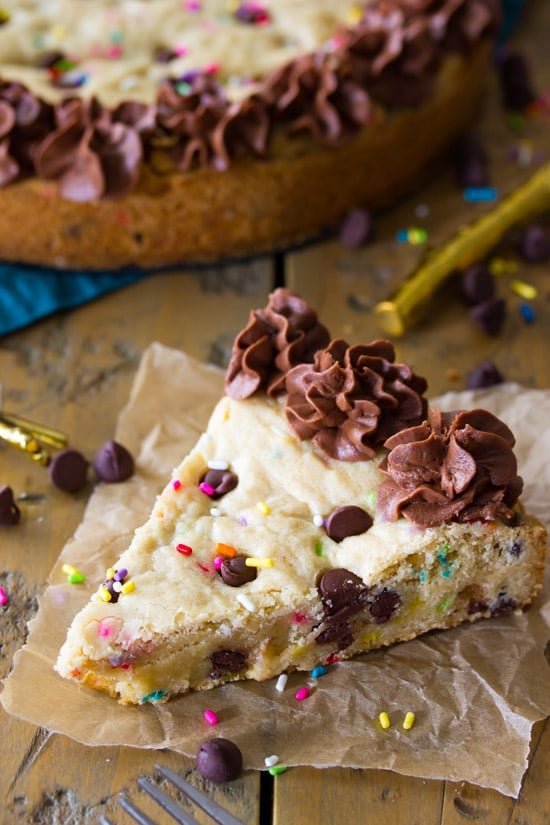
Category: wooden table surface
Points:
column 74, row 370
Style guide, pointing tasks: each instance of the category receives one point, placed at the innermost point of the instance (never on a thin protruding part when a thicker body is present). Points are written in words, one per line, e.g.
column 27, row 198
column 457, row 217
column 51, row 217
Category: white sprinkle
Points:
column 318, row 520
column 128, row 83
column 117, row 587
column 214, row 464
column 246, row 602
column 278, row 431
column 422, row 210
column 215, row 511
column 271, row 760
column 281, row 682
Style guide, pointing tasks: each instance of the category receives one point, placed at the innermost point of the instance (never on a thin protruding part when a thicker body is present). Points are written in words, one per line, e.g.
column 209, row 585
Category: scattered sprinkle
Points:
column 524, row 290
column 215, row 464
column 251, row 561
column 212, row 719
column 226, row 550
column 320, row 670
column 74, row 576
column 4, row 598
column 319, row 548
column 206, row 488
column 215, row 511
column 527, row 313
column 409, row 719
column 318, row 520
column 281, row 682
column 302, row 693
column 502, row 266
column 271, row 760
column 263, row 508
column 417, row 236
column 277, row 769
column 176, row 484
column 480, row 194
column 246, row 602
column 184, row 549
column 128, row 587
column 218, row 561
column 384, row 720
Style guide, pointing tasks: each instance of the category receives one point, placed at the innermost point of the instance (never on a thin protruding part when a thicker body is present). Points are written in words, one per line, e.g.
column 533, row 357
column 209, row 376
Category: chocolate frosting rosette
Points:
column 352, row 398
column 456, row 466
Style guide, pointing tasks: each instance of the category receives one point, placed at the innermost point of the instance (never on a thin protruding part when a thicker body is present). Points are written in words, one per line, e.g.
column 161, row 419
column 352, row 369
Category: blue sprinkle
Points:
column 320, row 670
column 402, row 236
column 480, row 194
column 155, row 696
column 422, row 576
column 527, row 313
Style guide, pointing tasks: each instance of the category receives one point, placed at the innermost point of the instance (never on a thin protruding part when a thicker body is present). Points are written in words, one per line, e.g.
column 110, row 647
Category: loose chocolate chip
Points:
column 515, row 82
column 9, row 511
column 235, row 572
column 486, row 374
column 384, row 604
column 489, row 315
column 221, row 481
column 68, row 470
column 113, row 463
column 347, row 521
column 534, row 244
column 477, row 284
column 227, row 661
column 356, row 228
column 219, row 760
column 340, row 588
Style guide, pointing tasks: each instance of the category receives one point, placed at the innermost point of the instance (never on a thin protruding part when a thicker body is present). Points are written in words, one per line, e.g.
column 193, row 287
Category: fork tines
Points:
column 211, row 808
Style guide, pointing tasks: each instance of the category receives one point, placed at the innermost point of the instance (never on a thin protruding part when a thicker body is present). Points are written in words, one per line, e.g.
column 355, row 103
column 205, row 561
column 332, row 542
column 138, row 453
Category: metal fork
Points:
column 215, row 811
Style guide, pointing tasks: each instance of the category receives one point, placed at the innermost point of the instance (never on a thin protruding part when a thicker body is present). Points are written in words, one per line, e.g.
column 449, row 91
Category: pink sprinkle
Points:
column 181, row 51
column 176, row 484
column 300, row 618
column 184, row 549
column 301, row 694
column 332, row 659
column 206, row 488
column 114, row 52
column 4, row 599
column 218, row 561
column 212, row 68
column 203, row 567
column 104, row 629
column 193, row 5
column 211, row 717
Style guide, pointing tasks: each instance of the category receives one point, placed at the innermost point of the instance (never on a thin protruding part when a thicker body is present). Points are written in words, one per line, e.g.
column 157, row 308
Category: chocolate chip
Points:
column 515, row 549
column 504, row 606
column 235, row 572
column 477, row 606
column 470, row 162
column 485, row 374
column 341, row 589
column 477, row 284
column 384, row 604
column 113, row 463
column 221, row 481
column 337, row 632
column 534, row 244
column 489, row 315
column 356, row 228
column 219, row 760
column 227, row 661
column 515, row 82
column 9, row 511
column 347, row 521
column 68, row 470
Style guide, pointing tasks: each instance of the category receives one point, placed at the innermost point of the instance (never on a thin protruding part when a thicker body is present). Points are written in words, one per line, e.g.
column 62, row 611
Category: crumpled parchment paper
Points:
column 476, row 690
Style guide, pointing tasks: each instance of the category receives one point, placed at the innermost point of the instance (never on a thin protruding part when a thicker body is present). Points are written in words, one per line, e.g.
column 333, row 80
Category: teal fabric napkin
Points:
column 29, row 293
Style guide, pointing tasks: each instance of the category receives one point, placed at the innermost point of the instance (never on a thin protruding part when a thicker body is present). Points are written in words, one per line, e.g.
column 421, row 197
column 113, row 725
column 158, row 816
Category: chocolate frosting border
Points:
column 389, row 58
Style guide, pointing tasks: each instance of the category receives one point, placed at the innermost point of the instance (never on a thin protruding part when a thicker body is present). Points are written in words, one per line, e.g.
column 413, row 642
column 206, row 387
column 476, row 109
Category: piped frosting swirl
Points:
column 452, row 467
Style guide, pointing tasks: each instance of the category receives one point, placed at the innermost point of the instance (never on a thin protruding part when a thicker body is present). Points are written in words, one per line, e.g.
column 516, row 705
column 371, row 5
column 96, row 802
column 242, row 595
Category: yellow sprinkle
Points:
column 354, row 15
column 524, row 290
column 408, row 721
column 69, row 569
column 263, row 508
column 128, row 587
column 254, row 562
column 105, row 595
column 59, row 32
column 384, row 720
column 110, row 574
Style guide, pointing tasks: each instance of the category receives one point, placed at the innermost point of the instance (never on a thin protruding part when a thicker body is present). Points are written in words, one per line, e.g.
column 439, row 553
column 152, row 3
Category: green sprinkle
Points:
column 183, row 88
column 319, row 549
column 423, row 576
column 371, row 499
column 277, row 769
column 444, row 604
column 76, row 578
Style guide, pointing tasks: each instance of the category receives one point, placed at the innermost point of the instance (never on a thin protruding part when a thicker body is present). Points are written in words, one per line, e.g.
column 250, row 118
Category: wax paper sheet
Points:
column 476, row 690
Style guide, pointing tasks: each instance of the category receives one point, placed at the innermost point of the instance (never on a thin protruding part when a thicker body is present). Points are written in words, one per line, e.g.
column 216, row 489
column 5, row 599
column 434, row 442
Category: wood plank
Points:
column 73, row 371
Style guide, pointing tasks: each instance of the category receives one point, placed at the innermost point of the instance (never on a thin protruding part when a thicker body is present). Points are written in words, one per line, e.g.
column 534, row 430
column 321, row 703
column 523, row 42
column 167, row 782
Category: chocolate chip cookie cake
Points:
column 327, row 510
column 154, row 132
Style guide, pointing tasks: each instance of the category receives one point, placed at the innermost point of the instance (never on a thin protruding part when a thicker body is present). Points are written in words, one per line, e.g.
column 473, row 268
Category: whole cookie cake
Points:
column 154, row 132
column 327, row 510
